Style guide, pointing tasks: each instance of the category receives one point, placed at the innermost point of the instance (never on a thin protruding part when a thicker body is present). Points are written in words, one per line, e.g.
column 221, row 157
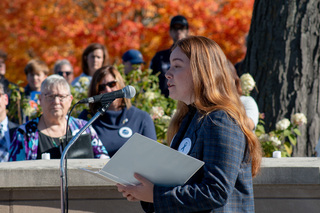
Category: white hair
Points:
column 60, row 63
column 54, row 80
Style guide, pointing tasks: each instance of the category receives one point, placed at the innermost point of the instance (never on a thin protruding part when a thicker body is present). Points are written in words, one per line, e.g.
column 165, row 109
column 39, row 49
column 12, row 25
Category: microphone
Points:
column 127, row 92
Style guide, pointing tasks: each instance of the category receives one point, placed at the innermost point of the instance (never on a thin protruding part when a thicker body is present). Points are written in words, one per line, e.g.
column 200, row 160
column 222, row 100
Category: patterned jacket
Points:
column 26, row 140
column 224, row 183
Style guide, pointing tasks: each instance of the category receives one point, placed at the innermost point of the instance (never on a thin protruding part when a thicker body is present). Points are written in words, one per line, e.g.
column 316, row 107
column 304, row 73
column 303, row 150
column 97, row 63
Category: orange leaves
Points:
column 55, row 29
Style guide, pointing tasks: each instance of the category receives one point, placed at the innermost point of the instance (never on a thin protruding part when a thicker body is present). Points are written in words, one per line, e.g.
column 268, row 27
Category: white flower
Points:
column 166, row 119
column 263, row 138
column 30, row 109
column 283, row 124
column 298, row 119
column 82, row 85
column 275, row 141
column 156, row 112
column 150, row 95
column 84, row 81
column 247, row 83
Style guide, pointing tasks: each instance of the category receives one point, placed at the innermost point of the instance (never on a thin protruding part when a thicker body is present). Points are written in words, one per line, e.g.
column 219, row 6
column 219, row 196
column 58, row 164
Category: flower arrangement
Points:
column 149, row 98
column 283, row 138
column 79, row 92
column 20, row 108
column 247, row 83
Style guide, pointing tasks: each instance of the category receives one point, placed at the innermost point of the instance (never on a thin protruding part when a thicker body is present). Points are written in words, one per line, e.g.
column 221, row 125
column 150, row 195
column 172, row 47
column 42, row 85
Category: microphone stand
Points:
column 101, row 111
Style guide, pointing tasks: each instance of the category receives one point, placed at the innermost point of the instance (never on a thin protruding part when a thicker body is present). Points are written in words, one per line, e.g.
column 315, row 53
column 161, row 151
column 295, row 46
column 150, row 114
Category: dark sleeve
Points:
column 147, row 207
column 154, row 64
column 12, row 128
column 222, row 149
column 84, row 115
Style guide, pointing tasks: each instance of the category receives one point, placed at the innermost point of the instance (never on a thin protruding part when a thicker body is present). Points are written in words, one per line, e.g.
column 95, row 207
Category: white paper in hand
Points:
column 158, row 163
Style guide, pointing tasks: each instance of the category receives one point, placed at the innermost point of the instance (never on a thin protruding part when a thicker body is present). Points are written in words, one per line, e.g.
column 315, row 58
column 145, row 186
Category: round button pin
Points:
column 185, row 146
column 125, row 132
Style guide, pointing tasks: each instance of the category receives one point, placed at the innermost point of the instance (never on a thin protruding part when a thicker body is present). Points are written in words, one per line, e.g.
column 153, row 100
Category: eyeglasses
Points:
column 110, row 84
column 67, row 73
column 53, row 97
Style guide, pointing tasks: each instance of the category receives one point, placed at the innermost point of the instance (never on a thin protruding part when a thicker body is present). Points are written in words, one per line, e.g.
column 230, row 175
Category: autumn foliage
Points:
column 56, row 29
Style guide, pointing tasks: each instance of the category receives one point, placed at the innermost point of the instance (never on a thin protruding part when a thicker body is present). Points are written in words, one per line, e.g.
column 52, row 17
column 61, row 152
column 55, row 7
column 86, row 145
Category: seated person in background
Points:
column 93, row 57
column 132, row 59
column 43, row 134
column 3, row 79
column 248, row 102
column 7, row 127
column 122, row 120
column 36, row 71
column 64, row 68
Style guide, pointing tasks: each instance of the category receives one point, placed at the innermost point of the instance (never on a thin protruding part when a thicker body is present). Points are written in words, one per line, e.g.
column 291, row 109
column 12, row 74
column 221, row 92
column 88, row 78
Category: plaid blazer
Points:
column 224, row 183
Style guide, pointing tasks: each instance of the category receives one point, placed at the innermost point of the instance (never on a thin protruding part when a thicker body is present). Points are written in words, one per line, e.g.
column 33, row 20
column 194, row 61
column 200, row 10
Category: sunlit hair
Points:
column 214, row 89
column 60, row 63
column 36, row 66
column 54, row 81
column 92, row 47
column 97, row 79
column 235, row 77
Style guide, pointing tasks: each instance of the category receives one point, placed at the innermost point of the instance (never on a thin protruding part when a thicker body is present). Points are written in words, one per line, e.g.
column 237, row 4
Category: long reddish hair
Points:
column 214, row 89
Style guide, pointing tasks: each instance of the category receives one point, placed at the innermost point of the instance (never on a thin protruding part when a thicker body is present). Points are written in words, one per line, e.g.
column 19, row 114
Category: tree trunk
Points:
column 283, row 56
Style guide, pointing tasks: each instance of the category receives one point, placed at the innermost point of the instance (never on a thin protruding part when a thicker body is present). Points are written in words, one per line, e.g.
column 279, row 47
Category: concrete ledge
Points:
column 288, row 185
column 283, row 185
column 289, row 171
column 46, row 173
column 34, row 186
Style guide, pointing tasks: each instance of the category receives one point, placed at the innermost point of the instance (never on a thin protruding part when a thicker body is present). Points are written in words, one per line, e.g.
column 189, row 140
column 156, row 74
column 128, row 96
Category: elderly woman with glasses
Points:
column 122, row 119
column 44, row 134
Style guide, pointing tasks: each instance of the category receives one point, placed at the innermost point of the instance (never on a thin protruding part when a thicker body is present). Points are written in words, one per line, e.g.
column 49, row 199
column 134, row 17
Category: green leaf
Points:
column 288, row 148
column 292, row 139
column 297, row 131
column 260, row 129
column 286, row 132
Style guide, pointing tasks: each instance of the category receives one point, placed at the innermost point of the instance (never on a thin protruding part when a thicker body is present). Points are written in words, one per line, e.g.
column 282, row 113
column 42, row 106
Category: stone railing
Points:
column 288, row 185
column 284, row 185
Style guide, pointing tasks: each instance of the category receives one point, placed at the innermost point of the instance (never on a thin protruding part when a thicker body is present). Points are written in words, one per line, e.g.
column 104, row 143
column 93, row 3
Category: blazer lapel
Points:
column 185, row 125
column 12, row 128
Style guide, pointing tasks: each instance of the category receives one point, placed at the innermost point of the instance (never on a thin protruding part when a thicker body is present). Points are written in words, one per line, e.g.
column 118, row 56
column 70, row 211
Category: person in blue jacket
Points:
column 210, row 124
column 121, row 120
